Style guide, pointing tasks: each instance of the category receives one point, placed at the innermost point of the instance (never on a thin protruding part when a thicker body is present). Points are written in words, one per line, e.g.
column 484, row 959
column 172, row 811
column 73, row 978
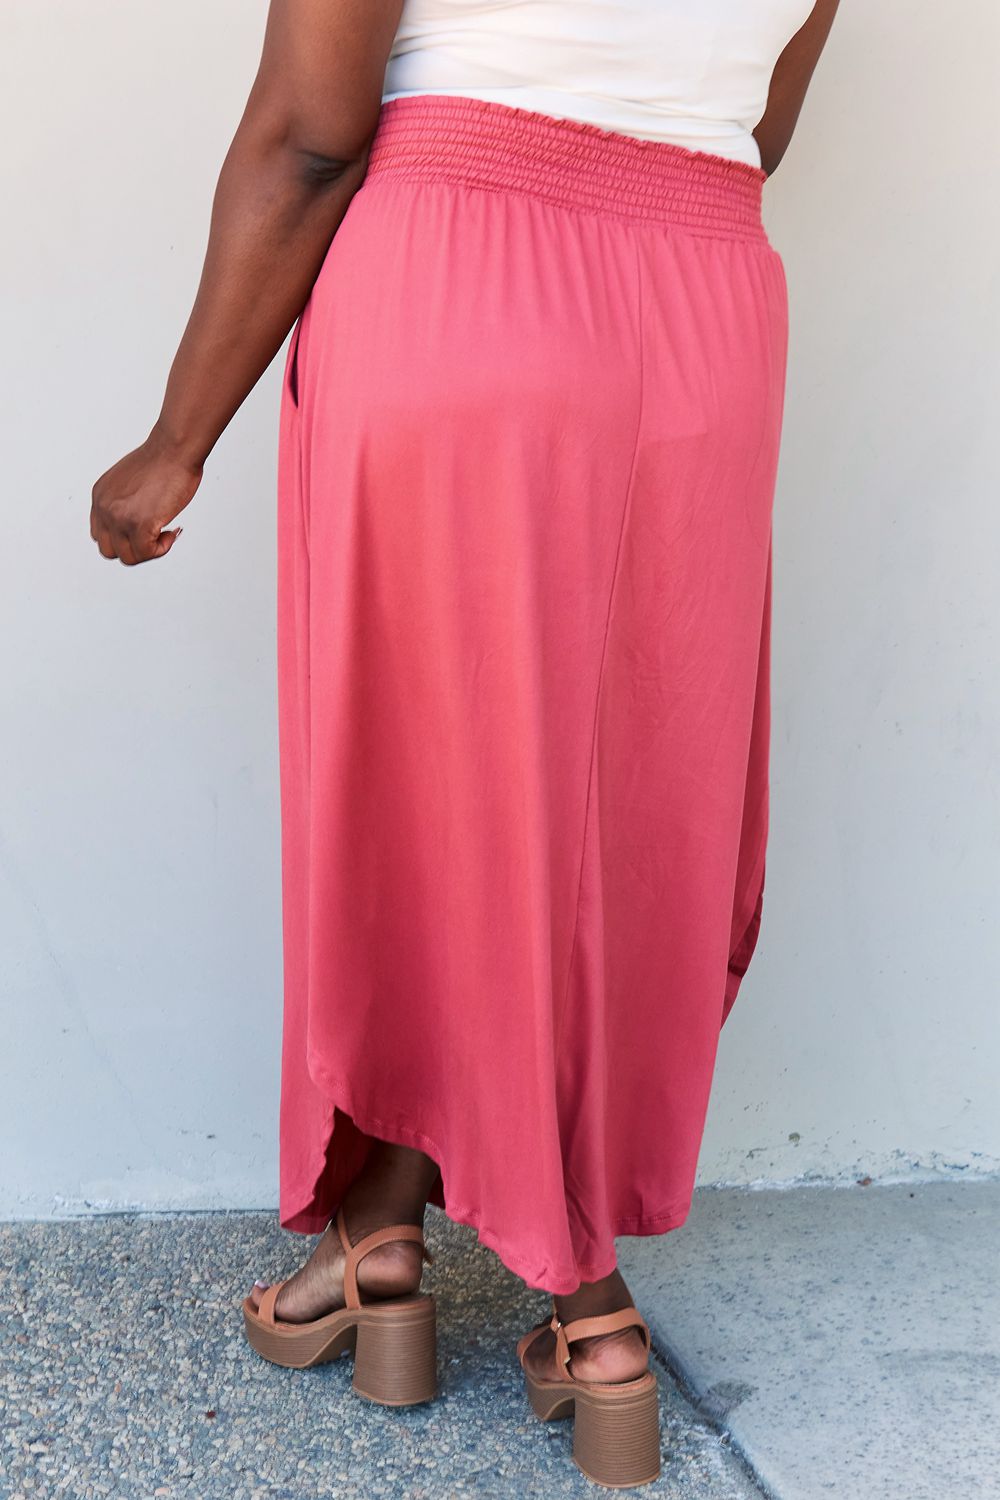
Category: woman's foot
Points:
column 609, row 1358
column 392, row 1188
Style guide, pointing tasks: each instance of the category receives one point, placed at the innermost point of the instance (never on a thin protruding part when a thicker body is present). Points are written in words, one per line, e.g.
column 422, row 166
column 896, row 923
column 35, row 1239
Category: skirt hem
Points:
column 311, row 1216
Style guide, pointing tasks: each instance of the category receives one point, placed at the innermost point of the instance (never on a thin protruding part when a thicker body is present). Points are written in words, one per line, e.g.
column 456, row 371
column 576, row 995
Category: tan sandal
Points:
column 394, row 1341
column 616, row 1427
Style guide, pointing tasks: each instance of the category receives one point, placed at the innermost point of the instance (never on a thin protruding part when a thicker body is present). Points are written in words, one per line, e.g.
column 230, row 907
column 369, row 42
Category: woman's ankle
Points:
column 593, row 1299
column 392, row 1187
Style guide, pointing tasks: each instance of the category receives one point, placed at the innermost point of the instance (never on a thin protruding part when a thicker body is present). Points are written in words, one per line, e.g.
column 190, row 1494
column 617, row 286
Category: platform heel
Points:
column 395, row 1357
column 616, row 1427
column 394, row 1342
column 616, row 1438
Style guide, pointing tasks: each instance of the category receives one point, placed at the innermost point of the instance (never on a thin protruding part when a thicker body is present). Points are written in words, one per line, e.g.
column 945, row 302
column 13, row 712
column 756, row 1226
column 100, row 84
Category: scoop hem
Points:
column 307, row 1218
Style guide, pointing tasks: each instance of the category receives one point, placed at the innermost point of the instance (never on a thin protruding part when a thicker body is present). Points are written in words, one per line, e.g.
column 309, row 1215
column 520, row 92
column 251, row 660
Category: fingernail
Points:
column 263, row 1285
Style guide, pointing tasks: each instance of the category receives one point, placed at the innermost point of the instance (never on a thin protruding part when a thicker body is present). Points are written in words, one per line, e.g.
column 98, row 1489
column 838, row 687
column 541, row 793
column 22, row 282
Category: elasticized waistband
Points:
column 479, row 143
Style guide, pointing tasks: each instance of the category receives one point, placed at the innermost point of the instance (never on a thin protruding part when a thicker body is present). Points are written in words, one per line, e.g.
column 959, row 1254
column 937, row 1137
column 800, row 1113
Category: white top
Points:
column 695, row 72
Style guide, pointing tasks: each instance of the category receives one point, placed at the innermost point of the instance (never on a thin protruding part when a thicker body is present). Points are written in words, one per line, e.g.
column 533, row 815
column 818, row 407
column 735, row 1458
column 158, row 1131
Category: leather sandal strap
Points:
column 582, row 1328
column 354, row 1254
column 529, row 1338
column 268, row 1297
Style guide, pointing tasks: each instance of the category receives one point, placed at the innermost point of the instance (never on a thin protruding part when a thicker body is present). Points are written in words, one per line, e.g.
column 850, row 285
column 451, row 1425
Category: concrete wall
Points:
column 867, row 1038
column 139, row 875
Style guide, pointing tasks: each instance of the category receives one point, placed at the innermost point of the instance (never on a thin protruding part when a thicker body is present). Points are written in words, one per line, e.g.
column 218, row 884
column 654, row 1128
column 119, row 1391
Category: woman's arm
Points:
column 296, row 160
column 789, row 82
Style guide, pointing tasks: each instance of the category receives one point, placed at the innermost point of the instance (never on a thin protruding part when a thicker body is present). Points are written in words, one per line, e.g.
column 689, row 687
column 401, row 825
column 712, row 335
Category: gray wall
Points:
column 139, row 875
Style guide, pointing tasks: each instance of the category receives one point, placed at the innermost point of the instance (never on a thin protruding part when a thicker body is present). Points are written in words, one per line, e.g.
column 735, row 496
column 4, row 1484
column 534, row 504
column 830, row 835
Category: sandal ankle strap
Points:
column 582, row 1328
column 355, row 1254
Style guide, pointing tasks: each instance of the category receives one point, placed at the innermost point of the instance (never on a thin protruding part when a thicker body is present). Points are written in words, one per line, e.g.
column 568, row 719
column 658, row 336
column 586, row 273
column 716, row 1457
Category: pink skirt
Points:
column 529, row 435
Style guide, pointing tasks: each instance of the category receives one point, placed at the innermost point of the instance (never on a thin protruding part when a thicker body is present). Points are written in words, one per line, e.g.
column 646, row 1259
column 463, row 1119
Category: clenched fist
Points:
column 135, row 499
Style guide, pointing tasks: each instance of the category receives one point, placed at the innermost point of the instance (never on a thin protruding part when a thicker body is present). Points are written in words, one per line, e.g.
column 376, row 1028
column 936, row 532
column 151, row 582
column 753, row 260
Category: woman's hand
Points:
column 135, row 499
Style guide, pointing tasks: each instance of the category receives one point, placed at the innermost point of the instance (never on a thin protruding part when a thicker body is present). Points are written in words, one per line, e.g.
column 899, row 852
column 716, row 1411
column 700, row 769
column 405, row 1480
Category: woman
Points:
column 529, row 434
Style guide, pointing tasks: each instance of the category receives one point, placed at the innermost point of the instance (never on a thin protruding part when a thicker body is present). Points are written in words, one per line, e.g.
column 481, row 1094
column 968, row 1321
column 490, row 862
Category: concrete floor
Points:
column 124, row 1373
column 848, row 1338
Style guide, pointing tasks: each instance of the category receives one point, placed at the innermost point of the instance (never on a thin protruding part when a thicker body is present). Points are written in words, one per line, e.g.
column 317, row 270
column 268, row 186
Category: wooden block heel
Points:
column 394, row 1342
column 616, row 1427
column 616, row 1437
column 395, row 1359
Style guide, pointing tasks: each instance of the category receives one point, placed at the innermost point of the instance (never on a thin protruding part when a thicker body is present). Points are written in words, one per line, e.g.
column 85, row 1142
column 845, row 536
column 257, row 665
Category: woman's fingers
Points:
column 166, row 540
column 144, row 543
column 126, row 551
column 105, row 545
column 130, row 547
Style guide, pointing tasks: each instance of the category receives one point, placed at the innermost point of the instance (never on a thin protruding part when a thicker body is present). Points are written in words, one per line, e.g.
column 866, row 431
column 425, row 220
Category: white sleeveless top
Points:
column 695, row 72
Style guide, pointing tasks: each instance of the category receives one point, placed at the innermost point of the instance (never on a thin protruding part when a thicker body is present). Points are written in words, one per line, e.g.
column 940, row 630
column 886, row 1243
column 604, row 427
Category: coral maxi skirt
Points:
column 528, row 443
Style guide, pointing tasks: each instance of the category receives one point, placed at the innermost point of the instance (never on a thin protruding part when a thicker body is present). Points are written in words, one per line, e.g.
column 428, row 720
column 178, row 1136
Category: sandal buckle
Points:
column 557, row 1325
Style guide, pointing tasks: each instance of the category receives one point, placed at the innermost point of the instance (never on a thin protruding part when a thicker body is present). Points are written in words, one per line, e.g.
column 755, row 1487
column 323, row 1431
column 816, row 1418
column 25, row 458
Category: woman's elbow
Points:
column 319, row 152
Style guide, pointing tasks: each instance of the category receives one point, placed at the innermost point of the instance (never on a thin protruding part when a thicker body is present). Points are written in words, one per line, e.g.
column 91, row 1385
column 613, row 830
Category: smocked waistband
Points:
column 454, row 138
